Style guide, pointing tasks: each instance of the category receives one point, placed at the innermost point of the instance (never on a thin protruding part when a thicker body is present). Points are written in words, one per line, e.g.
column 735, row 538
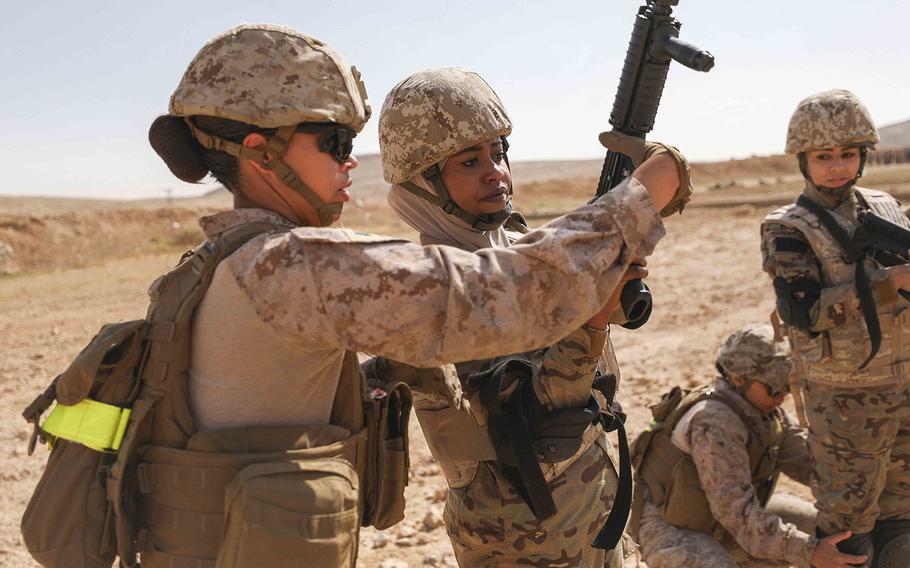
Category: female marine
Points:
column 840, row 288
column 443, row 141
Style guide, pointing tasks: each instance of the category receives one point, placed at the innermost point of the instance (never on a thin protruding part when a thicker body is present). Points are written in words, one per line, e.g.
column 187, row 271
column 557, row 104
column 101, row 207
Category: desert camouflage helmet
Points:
column 271, row 76
column 433, row 114
column 829, row 119
column 752, row 354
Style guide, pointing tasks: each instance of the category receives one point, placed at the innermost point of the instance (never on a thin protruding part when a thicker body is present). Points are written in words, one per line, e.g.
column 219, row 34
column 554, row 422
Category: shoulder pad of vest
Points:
column 674, row 403
column 781, row 212
column 875, row 194
column 323, row 235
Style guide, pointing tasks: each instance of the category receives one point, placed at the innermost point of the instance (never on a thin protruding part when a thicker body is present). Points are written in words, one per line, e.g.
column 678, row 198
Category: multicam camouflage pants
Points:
column 666, row 546
column 489, row 525
column 860, row 440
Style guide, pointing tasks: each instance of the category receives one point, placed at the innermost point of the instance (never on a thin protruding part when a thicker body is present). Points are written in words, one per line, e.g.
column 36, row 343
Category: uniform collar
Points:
column 214, row 225
column 744, row 405
column 825, row 200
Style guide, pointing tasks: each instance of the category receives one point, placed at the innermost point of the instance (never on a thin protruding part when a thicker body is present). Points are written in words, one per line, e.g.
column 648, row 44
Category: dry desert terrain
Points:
column 69, row 266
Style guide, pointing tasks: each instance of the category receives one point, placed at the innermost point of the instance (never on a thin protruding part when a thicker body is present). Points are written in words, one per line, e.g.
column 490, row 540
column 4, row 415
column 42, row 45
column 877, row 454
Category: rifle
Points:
column 655, row 42
column 884, row 241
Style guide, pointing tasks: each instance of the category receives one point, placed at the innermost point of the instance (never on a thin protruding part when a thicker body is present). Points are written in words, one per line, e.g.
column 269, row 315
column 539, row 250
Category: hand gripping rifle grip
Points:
column 636, row 302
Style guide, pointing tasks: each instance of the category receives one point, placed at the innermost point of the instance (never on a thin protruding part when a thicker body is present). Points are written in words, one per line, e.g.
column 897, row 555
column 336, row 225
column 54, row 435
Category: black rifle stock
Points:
column 883, row 240
column 654, row 44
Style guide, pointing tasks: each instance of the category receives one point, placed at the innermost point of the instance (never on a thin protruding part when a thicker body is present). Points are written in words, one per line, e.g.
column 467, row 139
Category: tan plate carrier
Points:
column 172, row 496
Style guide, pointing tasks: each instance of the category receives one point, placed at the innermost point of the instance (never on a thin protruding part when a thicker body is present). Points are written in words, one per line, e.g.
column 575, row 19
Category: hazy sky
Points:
column 80, row 82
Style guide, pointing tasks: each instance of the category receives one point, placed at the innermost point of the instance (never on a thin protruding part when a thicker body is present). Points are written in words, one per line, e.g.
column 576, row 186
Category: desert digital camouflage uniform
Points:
column 858, row 418
column 461, row 304
column 753, row 534
column 737, row 454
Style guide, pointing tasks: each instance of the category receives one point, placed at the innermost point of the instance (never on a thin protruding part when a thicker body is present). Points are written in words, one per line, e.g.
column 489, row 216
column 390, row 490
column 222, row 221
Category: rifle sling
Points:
column 863, row 284
column 611, row 532
column 515, row 455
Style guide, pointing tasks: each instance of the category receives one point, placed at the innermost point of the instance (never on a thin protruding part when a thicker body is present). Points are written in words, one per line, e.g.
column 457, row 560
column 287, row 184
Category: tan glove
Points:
column 640, row 150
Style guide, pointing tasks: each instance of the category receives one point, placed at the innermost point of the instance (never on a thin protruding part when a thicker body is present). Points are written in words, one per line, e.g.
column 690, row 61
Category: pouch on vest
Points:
column 291, row 514
column 387, row 415
column 659, row 412
column 69, row 520
column 686, row 505
column 189, row 514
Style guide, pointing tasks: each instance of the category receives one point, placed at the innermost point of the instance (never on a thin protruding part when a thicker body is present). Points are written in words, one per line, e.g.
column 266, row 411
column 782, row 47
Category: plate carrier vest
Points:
column 129, row 475
column 670, row 476
column 832, row 356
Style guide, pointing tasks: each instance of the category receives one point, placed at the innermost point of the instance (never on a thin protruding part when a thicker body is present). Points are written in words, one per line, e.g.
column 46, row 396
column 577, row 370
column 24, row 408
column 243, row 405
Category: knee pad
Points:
column 892, row 543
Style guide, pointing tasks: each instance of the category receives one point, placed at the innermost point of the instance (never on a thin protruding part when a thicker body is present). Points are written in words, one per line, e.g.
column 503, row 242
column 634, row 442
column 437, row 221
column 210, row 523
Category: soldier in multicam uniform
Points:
column 848, row 330
column 454, row 187
column 271, row 113
column 707, row 466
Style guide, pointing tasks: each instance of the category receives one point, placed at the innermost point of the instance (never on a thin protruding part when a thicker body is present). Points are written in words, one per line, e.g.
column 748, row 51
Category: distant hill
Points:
column 897, row 134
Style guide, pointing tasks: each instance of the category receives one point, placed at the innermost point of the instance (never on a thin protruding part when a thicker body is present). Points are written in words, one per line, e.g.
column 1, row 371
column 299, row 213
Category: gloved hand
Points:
column 639, row 151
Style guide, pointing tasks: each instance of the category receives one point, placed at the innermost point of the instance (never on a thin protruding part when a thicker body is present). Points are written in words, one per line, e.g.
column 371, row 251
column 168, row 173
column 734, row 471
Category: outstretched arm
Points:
column 331, row 289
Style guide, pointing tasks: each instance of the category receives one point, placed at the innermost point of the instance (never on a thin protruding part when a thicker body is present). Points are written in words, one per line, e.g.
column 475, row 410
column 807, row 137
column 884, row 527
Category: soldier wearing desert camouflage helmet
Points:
column 262, row 453
column 443, row 142
column 848, row 326
column 707, row 465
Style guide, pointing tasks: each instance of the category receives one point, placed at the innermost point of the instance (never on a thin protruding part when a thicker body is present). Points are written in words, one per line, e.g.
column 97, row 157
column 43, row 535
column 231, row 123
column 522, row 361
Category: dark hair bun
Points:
column 172, row 140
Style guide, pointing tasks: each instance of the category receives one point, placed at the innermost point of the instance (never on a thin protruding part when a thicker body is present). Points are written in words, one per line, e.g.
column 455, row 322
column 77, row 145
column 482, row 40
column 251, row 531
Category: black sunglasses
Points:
column 333, row 139
column 773, row 393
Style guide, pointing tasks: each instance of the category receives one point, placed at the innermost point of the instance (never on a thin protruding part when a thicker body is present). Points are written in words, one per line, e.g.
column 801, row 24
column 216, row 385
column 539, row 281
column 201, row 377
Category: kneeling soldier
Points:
column 707, row 466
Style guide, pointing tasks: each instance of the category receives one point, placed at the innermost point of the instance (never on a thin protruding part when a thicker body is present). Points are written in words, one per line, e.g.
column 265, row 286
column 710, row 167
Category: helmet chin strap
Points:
column 841, row 191
column 270, row 157
column 442, row 199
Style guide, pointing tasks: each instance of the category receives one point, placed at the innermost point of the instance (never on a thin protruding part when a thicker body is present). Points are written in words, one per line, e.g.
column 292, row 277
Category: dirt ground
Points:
column 706, row 278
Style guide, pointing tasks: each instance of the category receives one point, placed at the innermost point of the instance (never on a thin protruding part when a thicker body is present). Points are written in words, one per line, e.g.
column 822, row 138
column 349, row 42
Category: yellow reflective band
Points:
column 91, row 423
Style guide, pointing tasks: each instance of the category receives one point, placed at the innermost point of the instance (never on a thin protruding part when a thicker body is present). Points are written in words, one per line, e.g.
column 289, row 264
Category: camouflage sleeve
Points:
column 793, row 457
column 426, row 306
column 787, row 254
column 567, row 370
column 718, row 440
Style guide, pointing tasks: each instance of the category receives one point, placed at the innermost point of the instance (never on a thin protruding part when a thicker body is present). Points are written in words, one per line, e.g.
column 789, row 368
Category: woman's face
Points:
column 478, row 178
column 320, row 171
column 757, row 394
column 833, row 167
